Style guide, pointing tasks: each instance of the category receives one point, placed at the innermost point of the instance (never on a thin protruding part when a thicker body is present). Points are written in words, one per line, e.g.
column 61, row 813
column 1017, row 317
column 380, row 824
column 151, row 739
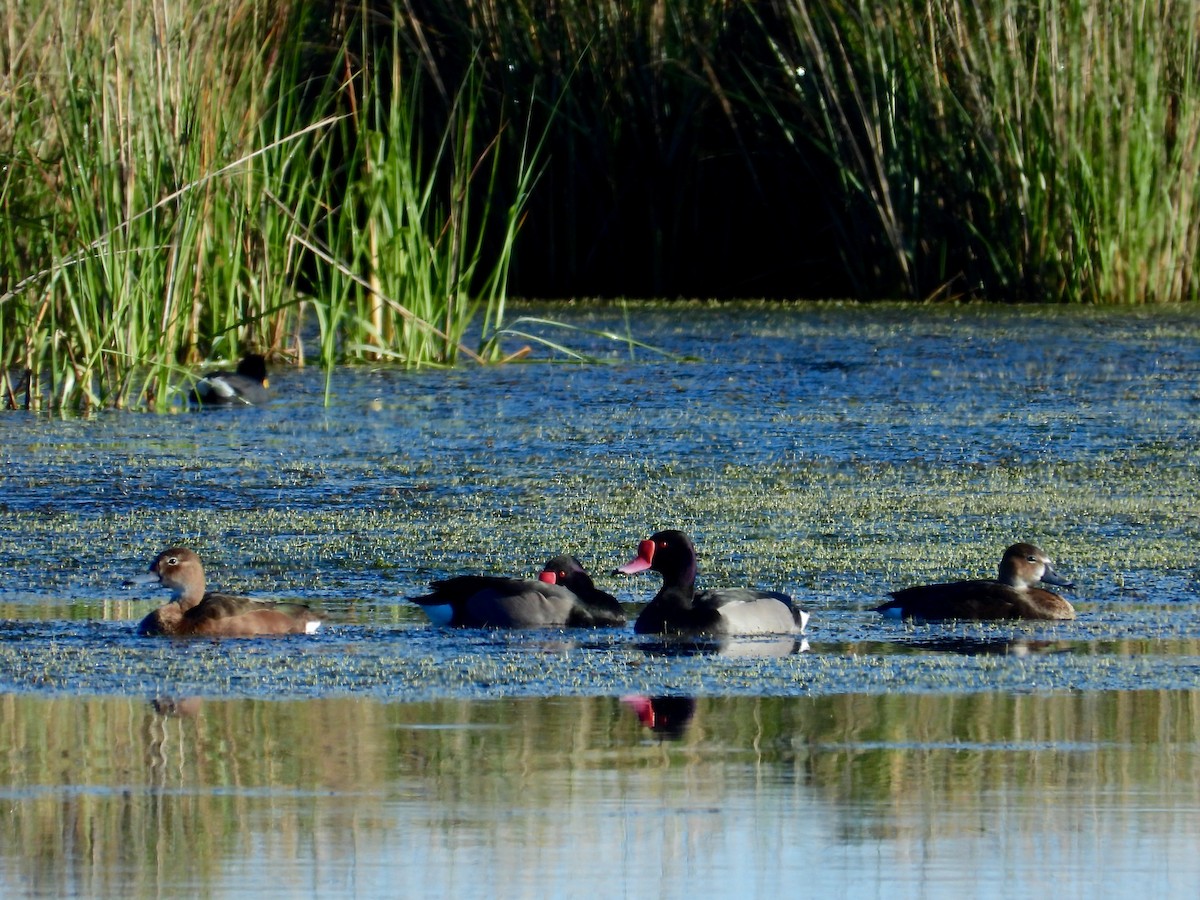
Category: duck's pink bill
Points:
column 643, row 561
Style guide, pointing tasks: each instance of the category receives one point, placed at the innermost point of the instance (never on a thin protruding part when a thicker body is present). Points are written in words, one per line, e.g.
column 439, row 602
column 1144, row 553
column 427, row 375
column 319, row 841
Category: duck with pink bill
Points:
column 679, row 609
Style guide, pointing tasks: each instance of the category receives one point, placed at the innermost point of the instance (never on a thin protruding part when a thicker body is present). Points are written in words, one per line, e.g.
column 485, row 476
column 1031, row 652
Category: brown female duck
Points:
column 195, row 611
column 1012, row 595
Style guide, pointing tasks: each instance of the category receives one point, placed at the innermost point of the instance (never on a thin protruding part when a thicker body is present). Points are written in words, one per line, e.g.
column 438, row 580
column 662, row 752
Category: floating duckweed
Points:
column 812, row 449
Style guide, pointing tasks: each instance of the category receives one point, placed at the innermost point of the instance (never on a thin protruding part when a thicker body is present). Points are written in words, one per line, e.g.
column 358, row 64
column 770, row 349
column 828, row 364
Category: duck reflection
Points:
column 171, row 728
column 968, row 646
column 668, row 717
column 177, row 707
column 771, row 646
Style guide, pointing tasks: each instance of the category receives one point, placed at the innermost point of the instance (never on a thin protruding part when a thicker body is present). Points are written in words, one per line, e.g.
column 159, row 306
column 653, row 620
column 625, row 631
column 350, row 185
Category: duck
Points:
column 194, row 611
column 247, row 386
column 678, row 609
column 1011, row 595
column 563, row 596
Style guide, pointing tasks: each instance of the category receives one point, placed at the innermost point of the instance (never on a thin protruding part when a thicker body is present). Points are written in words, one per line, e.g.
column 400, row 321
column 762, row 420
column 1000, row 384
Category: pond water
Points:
column 835, row 451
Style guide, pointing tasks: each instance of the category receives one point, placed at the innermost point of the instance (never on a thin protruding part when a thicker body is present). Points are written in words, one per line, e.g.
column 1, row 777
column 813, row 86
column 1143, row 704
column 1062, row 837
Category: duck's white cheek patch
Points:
column 311, row 627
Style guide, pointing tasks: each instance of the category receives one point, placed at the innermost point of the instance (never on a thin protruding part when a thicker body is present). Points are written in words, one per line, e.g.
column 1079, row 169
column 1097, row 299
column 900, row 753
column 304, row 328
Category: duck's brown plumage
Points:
column 195, row 611
column 1012, row 595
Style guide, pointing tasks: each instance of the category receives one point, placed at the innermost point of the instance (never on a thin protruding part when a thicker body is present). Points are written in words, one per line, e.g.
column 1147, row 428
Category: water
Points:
column 834, row 451
column 858, row 794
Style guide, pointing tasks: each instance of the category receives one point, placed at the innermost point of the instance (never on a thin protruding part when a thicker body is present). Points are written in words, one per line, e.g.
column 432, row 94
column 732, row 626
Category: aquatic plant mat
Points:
column 415, row 663
column 831, row 450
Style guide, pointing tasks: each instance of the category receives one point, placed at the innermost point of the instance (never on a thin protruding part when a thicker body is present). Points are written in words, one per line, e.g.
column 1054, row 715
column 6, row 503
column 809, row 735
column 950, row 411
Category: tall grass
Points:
column 1003, row 149
column 189, row 182
column 406, row 247
column 128, row 121
column 348, row 178
column 991, row 150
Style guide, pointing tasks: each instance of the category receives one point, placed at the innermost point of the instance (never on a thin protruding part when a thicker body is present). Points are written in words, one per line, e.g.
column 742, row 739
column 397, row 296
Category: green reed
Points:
column 130, row 118
column 187, row 184
column 1000, row 149
column 180, row 184
column 405, row 248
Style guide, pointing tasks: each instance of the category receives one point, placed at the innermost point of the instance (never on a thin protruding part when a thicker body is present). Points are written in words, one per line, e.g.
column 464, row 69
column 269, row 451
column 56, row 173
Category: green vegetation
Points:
column 990, row 150
column 185, row 183
column 180, row 187
column 1032, row 152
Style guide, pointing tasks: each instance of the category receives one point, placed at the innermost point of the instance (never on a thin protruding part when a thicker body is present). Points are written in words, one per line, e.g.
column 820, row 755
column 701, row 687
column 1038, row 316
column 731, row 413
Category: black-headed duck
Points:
column 563, row 596
column 247, row 386
column 678, row 608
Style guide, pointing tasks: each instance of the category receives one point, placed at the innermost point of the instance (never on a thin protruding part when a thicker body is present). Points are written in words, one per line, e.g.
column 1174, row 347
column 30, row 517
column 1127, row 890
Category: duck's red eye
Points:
column 562, row 573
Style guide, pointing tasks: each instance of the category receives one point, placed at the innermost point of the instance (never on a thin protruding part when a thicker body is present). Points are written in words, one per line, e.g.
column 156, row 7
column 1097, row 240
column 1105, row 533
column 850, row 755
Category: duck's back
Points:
column 227, row 615
column 246, row 386
column 748, row 611
column 977, row 599
column 522, row 604
column 725, row 611
column 489, row 601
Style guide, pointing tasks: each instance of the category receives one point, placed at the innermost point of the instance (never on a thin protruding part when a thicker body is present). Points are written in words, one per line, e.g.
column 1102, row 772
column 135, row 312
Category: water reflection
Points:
column 972, row 646
column 667, row 717
column 899, row 794
column 772, row 646
column 181, row 707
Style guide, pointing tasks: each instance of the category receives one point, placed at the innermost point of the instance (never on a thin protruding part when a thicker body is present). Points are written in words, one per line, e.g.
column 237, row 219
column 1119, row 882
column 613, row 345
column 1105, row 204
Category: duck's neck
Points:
column 188, row 595
column 686, row 579
column 680, row 588
column 1008, row 576
column 1013, row 581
